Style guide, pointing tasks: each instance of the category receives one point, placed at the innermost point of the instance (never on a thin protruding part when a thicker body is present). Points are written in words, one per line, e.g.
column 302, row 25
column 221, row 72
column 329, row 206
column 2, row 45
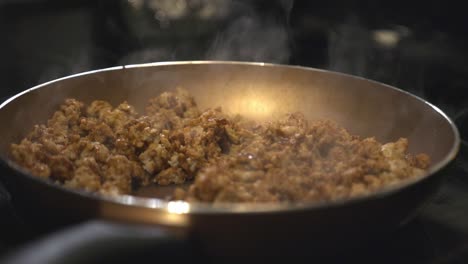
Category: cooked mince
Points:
column 114, row 150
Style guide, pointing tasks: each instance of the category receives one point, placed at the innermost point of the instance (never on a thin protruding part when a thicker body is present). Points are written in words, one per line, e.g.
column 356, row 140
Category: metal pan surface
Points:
column 259, row 91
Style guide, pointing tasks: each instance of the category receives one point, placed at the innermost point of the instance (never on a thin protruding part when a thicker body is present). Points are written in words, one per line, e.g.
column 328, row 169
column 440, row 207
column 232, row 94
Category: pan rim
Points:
column 240, row 208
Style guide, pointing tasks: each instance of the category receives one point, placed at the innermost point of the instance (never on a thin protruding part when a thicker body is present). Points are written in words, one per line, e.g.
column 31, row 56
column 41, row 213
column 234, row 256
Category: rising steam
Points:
column 236, row 32
column 251, row 39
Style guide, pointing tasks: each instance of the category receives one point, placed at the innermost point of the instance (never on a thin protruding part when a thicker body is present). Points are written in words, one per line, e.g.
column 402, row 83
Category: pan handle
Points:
column 99, row 241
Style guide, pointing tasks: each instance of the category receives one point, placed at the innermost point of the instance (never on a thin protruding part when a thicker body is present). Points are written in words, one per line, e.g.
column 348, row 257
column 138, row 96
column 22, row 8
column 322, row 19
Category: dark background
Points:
column 418, row 46
column 43, row 40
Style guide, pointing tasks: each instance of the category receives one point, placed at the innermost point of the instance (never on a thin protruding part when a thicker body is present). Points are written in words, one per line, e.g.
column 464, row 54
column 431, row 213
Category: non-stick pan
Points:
column 259, row 91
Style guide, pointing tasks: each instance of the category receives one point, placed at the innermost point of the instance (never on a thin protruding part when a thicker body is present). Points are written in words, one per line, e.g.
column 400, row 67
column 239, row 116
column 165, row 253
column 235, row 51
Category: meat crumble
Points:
column 114, row 150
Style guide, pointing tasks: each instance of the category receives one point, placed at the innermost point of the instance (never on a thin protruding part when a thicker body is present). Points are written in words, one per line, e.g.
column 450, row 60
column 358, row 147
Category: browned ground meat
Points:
column 110, row 150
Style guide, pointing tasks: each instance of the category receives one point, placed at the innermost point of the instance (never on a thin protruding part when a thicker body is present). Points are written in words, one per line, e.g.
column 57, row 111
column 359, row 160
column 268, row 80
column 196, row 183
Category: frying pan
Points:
column 258, row 91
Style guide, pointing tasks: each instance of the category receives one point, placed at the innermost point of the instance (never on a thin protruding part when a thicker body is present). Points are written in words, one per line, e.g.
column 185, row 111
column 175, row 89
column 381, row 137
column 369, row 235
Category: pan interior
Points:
column 257, row 91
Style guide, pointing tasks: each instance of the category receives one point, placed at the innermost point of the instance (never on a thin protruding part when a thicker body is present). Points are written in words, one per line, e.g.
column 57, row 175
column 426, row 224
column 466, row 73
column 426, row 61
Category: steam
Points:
column 348, row 50
column 80, row 63
column 393, row 56
column 150, row 54
column 374, row 54
column 250, row 39
column 227, row 30
column 254, row 37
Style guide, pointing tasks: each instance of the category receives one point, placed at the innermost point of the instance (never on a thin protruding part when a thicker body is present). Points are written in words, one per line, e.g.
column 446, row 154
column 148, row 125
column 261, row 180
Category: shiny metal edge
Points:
column 58, row 80
column 207, row 208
